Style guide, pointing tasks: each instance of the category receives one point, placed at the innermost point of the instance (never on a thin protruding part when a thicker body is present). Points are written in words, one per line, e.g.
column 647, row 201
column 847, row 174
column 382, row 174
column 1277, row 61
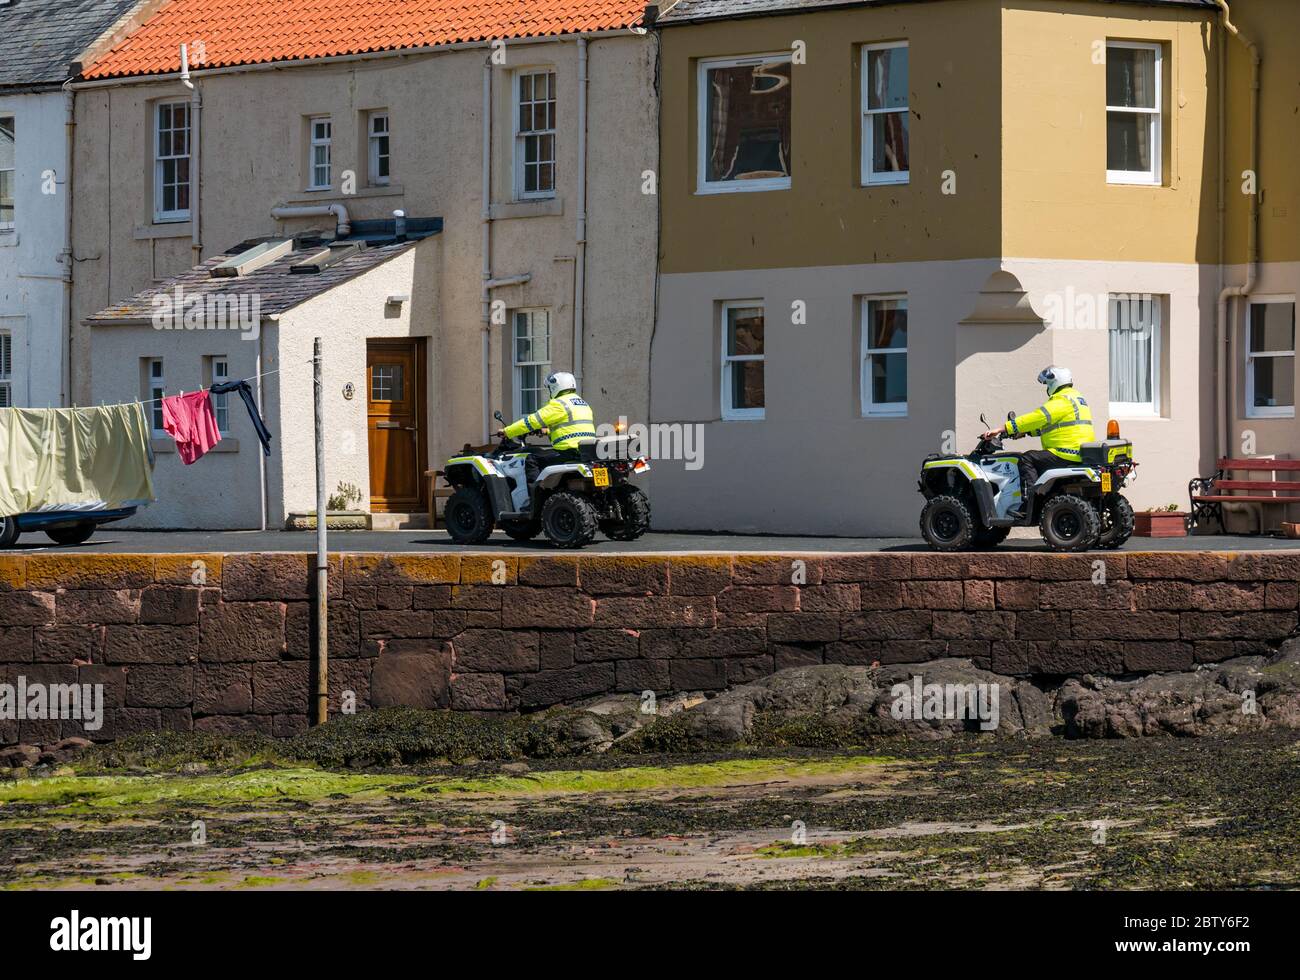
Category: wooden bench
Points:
column 436, row 493
column 1209, row 493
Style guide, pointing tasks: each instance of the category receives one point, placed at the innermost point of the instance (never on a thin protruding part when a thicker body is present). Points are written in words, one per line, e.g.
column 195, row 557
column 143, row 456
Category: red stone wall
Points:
column 223, row 642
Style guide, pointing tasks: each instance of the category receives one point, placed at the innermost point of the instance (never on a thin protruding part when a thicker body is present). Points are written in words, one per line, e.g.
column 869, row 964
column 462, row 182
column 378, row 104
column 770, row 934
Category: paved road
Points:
column 111, row 540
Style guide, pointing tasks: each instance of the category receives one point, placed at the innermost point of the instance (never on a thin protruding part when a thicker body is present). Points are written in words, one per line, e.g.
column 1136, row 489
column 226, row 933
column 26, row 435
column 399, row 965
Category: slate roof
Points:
column 688, row 11
column 39, row 38
column 249, row 32
column 276, row 288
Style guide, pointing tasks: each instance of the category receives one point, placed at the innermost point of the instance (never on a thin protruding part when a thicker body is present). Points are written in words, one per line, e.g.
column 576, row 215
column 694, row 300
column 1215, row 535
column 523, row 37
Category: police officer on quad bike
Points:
column 1063, row 423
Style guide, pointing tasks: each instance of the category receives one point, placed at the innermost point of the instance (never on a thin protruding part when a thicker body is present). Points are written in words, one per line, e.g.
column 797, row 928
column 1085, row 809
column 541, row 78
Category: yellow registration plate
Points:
column 1105, row 483
column 601, row 475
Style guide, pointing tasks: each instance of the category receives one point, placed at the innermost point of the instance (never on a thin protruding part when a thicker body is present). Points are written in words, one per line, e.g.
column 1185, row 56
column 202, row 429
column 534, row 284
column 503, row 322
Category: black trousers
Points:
column 539, row 458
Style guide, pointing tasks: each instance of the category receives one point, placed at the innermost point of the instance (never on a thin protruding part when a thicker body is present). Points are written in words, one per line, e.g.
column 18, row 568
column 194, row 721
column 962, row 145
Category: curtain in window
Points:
column 1132, row 350
column 1144, row 95
column 749, row 122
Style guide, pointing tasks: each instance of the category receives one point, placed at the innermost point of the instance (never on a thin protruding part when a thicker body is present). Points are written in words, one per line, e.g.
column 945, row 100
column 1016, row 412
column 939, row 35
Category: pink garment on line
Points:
column 189, row 420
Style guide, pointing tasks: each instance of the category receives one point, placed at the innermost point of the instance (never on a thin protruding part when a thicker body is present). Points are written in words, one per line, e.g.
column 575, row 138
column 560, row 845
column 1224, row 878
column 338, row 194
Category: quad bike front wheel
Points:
column 468, row 519
column 569, row 520
column 946, row 524
column 635, row 506
column 1070, row 523
column 1117, row 521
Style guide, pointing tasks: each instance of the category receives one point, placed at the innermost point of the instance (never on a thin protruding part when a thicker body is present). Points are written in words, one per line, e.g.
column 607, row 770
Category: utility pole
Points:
column 321, row 708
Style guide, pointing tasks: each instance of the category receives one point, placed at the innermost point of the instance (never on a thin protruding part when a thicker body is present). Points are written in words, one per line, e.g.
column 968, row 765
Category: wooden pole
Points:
column 321, row 712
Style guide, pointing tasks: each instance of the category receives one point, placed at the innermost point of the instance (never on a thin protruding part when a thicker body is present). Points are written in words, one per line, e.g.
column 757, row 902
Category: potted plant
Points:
column 342, row 512
column 1161, row 522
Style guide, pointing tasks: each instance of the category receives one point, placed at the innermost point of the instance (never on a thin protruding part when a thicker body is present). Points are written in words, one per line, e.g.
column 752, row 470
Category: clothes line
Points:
column 253, row 377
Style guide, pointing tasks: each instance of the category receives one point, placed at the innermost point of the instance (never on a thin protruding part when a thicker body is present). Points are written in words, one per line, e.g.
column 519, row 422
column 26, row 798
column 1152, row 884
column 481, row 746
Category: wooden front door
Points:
column 395, row 424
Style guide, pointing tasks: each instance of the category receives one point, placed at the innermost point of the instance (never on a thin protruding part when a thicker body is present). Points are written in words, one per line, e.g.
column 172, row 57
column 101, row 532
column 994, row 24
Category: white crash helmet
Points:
column 560, row 382
column 1055, row 378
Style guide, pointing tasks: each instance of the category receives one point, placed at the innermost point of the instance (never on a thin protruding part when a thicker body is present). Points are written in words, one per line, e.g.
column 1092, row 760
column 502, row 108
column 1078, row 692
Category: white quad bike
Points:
column 569, row 501
column 973, row 501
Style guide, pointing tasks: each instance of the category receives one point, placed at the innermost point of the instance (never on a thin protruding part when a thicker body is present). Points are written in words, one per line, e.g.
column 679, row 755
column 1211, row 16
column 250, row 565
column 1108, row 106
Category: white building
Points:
column 42, row 44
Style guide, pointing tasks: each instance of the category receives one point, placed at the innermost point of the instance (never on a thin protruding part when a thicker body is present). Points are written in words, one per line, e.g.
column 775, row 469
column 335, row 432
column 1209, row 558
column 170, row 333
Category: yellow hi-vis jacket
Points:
column 1064, row 423
column 568, row 418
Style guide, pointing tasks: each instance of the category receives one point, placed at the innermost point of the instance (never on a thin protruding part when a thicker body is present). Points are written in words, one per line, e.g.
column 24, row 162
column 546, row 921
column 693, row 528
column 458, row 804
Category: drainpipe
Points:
column 343, row 221
column 1223, row 408
column 486, row 313
column 196, row 144
column 580, row 266
column 65, row 254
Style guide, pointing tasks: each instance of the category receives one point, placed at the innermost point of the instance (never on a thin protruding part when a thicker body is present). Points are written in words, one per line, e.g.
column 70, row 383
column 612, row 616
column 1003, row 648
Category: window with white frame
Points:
column 1134, row 96
column 377, row 136
column 171, row 168
column 535, row 134
column 744, row 117
column 155, row 390
column 220, row 367
column 743, row 394
column 885, row 113
column 1135, row 365
column 6, row 369
column 321, row 131
column 8, row 171
column 884, row 355
column 1270, row 359
column 532, row 359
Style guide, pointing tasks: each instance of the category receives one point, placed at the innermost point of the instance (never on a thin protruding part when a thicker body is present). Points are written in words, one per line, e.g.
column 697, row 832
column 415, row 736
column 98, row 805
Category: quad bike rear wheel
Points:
column 1070, row 523
column 468, row 519
column 8, row 531
column 569, row 520
column 946, row 523
column 635, row 506
column 1117, row 521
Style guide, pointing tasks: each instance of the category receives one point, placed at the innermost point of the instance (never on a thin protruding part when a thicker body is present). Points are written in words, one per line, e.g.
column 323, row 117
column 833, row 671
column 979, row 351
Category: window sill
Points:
column 538, row 207
column 1117, row 179
column 166, row 444
column 743, row 418
column 1282, row 413
column 901, row 181
column 883, row 416
column 163, row 229
column 743, row 187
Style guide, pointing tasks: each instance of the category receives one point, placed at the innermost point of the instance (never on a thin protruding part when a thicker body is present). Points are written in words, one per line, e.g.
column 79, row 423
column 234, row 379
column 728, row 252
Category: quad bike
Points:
column 973, row 501
column 569, row 501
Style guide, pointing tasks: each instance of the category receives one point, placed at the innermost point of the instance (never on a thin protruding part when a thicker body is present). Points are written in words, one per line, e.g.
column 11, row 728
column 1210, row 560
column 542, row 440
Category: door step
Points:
column 399, row 522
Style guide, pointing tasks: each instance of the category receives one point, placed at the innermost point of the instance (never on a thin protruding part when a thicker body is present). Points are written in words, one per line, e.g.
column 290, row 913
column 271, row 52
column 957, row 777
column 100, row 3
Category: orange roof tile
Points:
column 249, row 32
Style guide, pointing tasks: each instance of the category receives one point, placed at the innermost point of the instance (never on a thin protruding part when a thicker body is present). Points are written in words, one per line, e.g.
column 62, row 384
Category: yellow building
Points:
column 880, row 220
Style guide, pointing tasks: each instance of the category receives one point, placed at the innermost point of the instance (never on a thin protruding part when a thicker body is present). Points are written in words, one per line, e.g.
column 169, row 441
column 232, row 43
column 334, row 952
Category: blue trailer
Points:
column 61, row 526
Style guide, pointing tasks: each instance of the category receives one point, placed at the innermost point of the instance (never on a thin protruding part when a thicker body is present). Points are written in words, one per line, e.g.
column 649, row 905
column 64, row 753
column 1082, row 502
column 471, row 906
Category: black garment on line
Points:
column 246, row 393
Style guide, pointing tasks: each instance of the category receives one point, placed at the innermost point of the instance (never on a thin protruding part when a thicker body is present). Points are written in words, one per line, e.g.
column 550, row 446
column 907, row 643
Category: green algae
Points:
column 584, row 885
column 278, row 786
